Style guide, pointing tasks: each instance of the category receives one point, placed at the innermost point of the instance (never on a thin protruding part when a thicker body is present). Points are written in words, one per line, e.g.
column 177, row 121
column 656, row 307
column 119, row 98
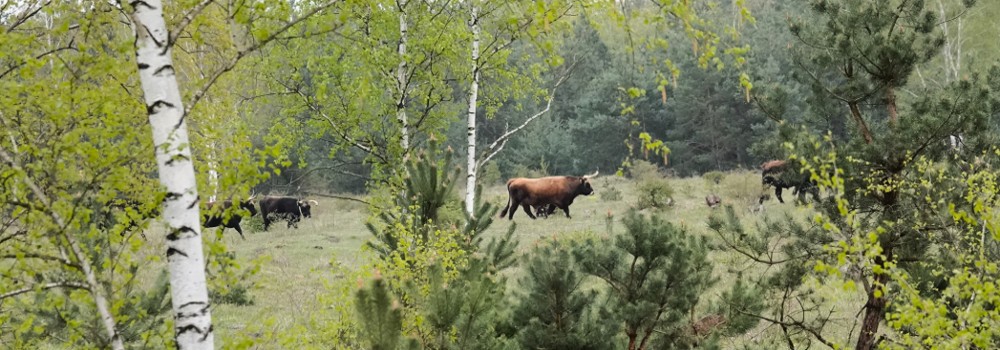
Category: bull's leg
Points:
column 267, row 221
column 527, row 210
column 777, row 193
column 240, row 230
column 566, row 210
column 513, row 208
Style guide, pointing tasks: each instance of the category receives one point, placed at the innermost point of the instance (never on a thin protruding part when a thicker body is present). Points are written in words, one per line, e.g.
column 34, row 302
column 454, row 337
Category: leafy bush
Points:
column 653, row 193
column 642, row 170
column 611, row 194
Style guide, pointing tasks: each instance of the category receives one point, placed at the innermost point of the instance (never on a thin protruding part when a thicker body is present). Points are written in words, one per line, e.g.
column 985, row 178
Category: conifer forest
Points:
column 513, row 174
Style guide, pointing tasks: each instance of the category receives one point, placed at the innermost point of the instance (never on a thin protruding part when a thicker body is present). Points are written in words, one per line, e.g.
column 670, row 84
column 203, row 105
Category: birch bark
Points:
column 471, row 168
column 402, row 80
column 188, row 291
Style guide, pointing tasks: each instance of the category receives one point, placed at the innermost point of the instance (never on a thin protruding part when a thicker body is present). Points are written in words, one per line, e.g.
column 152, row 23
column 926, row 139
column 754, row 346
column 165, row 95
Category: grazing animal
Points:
column 214, row 215
column 780, row 175
column 713, row 200
column 558, row 191
column 289, row 208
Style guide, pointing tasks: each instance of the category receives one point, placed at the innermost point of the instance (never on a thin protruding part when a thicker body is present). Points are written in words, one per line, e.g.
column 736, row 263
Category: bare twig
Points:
column 188, row 17
column 63, row 284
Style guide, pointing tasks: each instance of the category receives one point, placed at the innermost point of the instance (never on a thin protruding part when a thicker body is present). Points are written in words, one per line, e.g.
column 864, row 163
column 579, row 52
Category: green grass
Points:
column 301, row 259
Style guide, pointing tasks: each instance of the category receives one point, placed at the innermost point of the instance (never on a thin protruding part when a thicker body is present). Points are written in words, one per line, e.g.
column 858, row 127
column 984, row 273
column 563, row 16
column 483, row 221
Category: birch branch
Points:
column 499, row 143
column 200, row 93
column 95, row 288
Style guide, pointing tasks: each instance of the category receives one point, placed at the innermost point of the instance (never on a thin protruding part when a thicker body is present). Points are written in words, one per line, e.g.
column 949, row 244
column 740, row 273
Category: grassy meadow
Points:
column 302, row 264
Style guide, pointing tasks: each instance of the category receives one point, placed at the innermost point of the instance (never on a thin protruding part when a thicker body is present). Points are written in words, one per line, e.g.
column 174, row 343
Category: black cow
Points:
column 214, row 215
column 289, row 208
column 777, row 173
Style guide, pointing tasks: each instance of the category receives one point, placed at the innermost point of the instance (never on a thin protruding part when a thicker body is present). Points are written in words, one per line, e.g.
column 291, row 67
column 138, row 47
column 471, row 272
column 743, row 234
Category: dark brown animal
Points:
column 540, row 193
column 780, row 175
column 289, row 208
column 215, row 215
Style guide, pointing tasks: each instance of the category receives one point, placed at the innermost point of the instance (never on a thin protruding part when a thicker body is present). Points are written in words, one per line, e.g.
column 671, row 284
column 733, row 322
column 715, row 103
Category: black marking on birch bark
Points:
column 190, row 303
column 194, row 202
column 211, row 328
column 176, row 234
column 180, row 122
column 155, row 106
column 176, row 157
column 171, row 196
column 143, row 66
column 163, row 69
column 172, row 251
column 192, row 328
column 135, row 4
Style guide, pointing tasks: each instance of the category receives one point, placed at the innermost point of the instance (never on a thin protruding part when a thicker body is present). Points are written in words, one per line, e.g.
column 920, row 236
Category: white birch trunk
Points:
column 402, row 81
column 470, row 183
column 188, row 292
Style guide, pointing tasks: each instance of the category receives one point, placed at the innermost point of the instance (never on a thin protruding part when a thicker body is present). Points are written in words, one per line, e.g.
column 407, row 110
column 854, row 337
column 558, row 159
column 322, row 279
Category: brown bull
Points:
column 559, row 191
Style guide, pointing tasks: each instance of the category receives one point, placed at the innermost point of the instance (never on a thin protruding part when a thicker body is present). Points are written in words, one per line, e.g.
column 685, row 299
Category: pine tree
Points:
column 553, row 309
column 655, row 274
column 861, row 55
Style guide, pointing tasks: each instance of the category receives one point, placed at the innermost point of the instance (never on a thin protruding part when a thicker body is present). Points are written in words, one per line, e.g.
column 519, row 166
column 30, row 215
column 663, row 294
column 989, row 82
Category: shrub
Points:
column 642, row 170
column 653, row 193
column 611, row 194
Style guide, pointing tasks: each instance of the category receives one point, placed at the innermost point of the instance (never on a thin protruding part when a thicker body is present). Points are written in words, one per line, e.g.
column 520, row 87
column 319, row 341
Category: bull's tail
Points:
column 503, row 212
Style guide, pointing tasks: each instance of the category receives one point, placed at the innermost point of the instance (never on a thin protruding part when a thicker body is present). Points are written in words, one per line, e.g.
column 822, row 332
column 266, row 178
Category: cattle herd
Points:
column 290, row 209
column 537, row 196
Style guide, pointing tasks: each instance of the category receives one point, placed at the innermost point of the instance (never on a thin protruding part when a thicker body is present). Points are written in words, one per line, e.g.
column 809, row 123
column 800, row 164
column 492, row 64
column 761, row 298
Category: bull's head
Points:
column 585, row 188
column 306, row 208
column 249, row 206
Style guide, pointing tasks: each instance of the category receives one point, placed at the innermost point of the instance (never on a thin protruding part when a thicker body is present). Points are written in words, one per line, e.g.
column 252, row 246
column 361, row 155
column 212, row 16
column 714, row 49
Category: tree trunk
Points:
column 402, row 82
column 188, row 292
column 470, row 183
column 890, row 100
column 860, row 121
column 874, row 313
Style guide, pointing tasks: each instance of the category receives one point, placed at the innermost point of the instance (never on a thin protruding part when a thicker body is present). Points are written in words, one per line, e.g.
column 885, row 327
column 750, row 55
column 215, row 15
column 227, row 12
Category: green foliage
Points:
column 655, row 274
column 553, row 310
column 652, row 189
column 426, row 188
column 714, row 177
column 490, row 174
column 229, row 282
column 381, row 318
column 611, row 193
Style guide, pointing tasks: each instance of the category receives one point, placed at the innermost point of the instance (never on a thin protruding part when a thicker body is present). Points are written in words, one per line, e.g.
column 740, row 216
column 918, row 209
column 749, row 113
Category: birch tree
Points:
column 379, row 86
column 189, row 294
column 68, row 156
column 505, row 24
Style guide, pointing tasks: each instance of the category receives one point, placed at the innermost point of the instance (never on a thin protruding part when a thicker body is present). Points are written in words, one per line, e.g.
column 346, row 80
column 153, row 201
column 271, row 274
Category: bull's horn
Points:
column 313, row 202
column 592, row 175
